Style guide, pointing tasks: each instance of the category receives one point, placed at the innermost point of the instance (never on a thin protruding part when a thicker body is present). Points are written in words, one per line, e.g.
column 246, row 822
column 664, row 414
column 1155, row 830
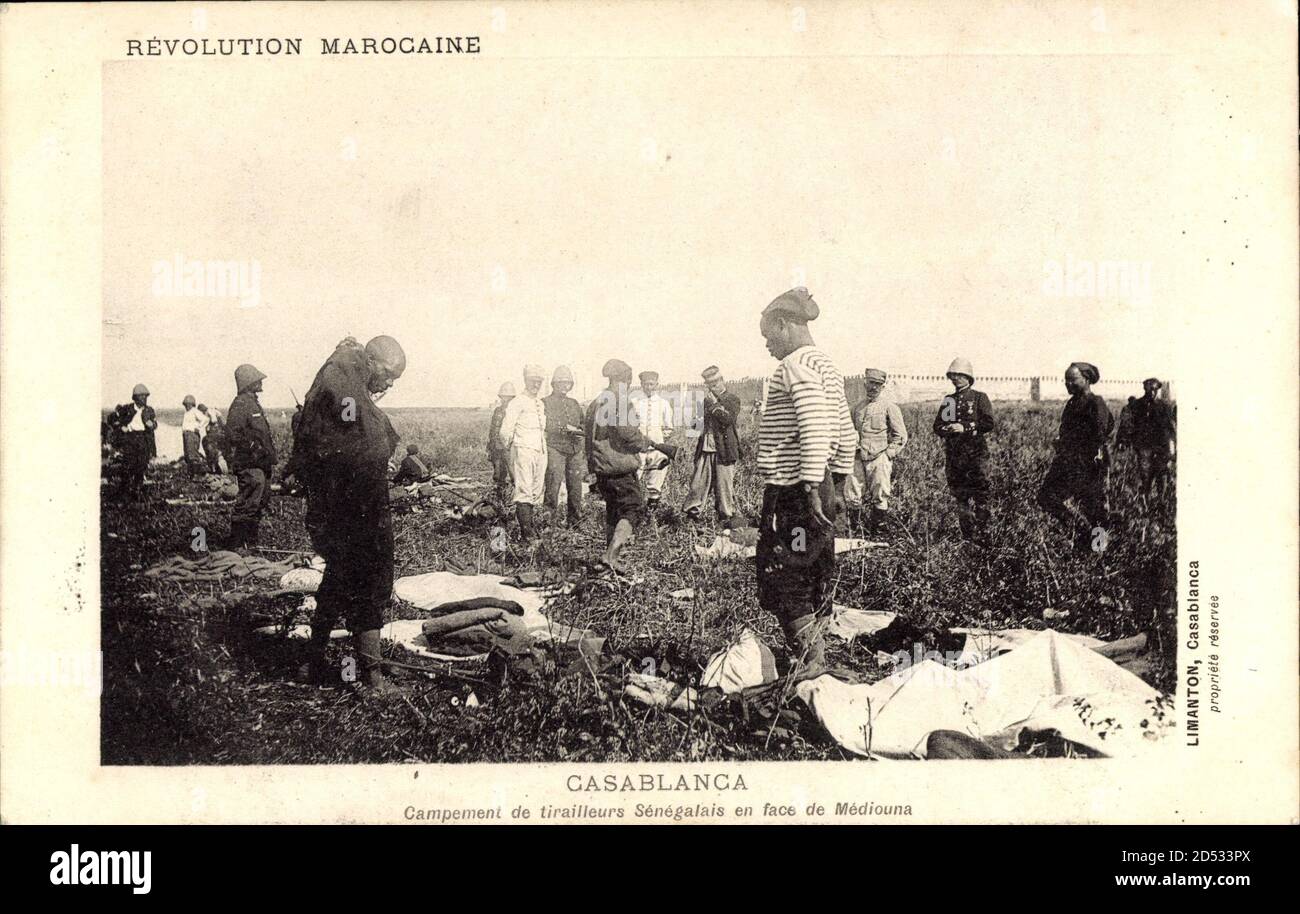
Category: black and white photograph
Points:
column 619, row 399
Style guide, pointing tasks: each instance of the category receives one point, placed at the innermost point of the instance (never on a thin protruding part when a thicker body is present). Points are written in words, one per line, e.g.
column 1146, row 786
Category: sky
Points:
column 505, row 210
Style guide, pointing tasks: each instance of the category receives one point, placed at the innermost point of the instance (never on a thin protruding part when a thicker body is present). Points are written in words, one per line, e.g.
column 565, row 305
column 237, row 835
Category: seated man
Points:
column 412, row 468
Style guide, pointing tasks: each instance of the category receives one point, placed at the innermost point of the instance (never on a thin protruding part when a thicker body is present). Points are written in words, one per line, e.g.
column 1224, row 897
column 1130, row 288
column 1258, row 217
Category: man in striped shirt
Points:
column 806, row 447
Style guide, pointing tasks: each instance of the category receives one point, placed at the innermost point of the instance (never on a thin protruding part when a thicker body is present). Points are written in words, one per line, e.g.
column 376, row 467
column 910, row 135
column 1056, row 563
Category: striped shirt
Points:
column 806, row 425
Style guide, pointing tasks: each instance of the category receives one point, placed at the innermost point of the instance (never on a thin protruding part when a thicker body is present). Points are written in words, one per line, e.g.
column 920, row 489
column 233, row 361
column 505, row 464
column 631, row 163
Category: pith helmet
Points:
column 139, row 391
column 507, row 390
column 188, row 401
column 961, row 366
column 246, row 376
column 562, row 373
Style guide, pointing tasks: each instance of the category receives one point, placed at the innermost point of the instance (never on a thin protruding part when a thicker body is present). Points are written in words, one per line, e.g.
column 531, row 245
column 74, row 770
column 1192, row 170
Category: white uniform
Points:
column 523, row 435
column 654, row 416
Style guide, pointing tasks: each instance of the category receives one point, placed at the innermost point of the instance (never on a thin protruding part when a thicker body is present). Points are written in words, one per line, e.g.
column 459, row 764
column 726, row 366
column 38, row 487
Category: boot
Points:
column 880, row 523
column 238, row 535
column 526, row 529
column 870, row 522
column 371, row 663
column 315, row 670
column 807, row 649
column 967, row 523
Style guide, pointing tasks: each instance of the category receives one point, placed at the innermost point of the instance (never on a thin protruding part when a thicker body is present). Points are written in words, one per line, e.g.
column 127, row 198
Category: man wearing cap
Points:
column 1151, row 430
column 654, row 418
column 194, row 424
column 500, row 459
column 523, row 436
column 964, row 421
column 252, row 457
column 1078, row 470
column 565, row 461
column 137, row 422
column 342, row 450
column 806, row 447
column 716, row 451
column 881, row 436
column 211, row 438
column 614, row 446
column 412, row 468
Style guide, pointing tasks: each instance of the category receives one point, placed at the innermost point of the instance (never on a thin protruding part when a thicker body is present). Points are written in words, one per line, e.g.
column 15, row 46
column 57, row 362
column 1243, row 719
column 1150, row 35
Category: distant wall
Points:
column 914, row 388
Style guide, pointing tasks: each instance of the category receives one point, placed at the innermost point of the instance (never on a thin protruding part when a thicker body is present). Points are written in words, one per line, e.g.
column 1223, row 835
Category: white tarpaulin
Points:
column 1048, row 682
column 746, row 663
column 849, row 623
column 438, row 588
column 984, row 644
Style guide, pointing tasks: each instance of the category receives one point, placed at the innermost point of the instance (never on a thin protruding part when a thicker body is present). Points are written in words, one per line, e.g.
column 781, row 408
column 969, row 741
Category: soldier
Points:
column 654, row 418
column 614, row 446
column 194, row 424
column 1151, row 433
column 964, row 420
column 565, row 461
column 212, row 432
column 342, row 449
column 882, row 434
column 716, row 451
column 523, row 436
column 252, row 457
column 412, row 468
column 500, row 459
column 805, row 452
column 1078, row 471
column 136, row 422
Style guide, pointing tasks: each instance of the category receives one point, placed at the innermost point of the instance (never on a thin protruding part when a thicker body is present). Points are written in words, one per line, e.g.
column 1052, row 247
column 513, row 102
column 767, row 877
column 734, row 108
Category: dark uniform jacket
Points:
column 561, row 410
column 249, row 435
column 973, row 410
column 411, row 470
column 1086, row 424
column 604, row 421
column 720, row 419
column 342, row 448
column 123, row 415
column 1151, row 423
column 494, row 431
column 341, row 428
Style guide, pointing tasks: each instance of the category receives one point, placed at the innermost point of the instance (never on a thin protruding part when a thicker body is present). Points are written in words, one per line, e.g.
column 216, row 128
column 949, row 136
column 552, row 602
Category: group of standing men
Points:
column 537, row 444
column 202, row 433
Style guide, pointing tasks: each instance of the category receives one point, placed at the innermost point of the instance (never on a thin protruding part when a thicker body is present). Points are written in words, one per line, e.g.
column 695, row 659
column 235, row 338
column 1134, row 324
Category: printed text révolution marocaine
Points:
column 292, row 47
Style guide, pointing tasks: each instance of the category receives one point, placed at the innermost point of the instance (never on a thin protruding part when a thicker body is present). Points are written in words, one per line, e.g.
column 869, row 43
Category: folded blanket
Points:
column 477, row 631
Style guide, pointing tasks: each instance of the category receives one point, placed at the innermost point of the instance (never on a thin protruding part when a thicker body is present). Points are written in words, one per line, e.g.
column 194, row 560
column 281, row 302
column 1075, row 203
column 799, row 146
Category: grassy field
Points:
column 185, row 683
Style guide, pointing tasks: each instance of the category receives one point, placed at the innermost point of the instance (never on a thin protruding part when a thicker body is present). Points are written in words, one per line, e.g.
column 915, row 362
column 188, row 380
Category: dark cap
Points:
column 797, row 303
column 1089, row 371
column 649, row 376
column 616, row 368
column 1156, row 381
